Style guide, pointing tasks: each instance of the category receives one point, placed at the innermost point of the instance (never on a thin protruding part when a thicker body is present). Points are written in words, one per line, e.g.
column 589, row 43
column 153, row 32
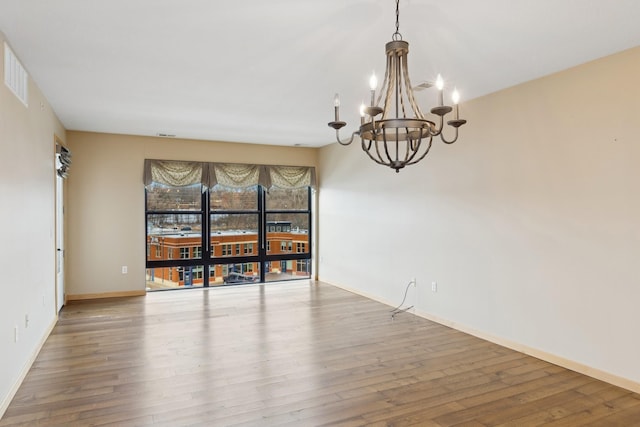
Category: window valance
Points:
column 174, row 173
column 180, row 173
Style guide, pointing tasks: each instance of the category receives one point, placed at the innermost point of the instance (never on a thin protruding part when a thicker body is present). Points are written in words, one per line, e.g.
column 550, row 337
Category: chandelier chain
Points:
column 397, row 36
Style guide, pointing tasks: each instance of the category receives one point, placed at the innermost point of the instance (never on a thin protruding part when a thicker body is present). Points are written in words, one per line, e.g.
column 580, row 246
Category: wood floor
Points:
column 293, row 354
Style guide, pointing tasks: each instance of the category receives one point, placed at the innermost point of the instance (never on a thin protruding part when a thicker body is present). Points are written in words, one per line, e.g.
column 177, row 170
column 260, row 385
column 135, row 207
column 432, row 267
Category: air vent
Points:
column 15, row 76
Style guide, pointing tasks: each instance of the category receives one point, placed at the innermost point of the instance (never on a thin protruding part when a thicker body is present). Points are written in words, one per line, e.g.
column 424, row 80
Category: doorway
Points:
column 62, row 162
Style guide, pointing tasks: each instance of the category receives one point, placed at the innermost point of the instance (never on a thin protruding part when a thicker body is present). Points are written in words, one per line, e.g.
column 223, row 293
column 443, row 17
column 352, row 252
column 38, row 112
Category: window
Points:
column 302, row 265
column 201, row 229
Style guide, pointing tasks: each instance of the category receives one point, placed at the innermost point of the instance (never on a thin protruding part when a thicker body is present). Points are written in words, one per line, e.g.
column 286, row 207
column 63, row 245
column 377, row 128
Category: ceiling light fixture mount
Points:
column 403, row 135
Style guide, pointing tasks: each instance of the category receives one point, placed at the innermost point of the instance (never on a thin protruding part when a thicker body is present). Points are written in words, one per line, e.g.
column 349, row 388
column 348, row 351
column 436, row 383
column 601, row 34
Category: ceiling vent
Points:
column 15, row 76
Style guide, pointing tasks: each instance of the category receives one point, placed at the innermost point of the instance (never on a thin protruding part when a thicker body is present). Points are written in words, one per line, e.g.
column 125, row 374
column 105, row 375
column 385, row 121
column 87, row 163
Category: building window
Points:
column 248, row 268
column 226, row 250
column 300, row 247
column 302, row 265
column 158, row 251
column 184, row 253
column 237, row 248
column 248, row 248
column 197, row 272
column 286, row 245
column 170, row 253
column 268, row 246
column 197, row 252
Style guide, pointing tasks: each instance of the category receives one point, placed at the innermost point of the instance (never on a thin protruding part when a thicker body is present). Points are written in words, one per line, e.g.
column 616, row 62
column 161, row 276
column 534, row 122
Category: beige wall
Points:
column 27, row 249
column 529, row 224
column 106, row 225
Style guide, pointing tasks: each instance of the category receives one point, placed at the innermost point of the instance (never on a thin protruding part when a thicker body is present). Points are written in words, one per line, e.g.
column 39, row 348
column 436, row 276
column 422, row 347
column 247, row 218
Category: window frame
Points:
column 230, row 253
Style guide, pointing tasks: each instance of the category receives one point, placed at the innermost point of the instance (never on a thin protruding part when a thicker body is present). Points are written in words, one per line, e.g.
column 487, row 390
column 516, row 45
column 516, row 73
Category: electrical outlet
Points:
column 124, row 269
column 434, row 286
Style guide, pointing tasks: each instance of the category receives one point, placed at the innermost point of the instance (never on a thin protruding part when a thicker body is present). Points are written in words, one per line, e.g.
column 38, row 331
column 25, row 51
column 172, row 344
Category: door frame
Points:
column 59, row 230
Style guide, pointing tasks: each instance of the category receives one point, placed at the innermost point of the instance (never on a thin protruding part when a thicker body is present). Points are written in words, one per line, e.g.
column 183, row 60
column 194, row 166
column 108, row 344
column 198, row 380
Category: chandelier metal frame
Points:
column 403, row 135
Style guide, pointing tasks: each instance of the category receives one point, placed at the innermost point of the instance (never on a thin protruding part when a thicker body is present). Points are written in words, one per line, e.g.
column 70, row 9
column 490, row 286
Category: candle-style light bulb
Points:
column 373, row 81
column 455, row 97
column 336, row 107
column 336, row 100
column 440, row 87
column 362, row 112
column 373, row 84
column 439, row 82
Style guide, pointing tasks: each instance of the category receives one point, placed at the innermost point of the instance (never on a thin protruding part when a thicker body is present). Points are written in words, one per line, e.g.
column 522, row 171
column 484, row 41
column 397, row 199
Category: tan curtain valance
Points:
column 174, row 173
column 179, row 173
column 235, row 175
column 290, row 176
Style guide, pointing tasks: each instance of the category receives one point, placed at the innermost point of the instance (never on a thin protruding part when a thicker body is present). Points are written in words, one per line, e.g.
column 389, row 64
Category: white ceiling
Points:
column 266, row 71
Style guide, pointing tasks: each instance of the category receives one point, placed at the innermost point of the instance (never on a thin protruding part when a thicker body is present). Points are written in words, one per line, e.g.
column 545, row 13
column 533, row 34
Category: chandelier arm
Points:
column 390, row 83
column 347, row 141
column 426, row 151
column 399, row 92
column 367, row 150
column 410, row 94
column 386, row 146
column 415, row 148
column 409, row 150
column 439, row 128
column 385, row 81
column 379, row 160
column 449, row 142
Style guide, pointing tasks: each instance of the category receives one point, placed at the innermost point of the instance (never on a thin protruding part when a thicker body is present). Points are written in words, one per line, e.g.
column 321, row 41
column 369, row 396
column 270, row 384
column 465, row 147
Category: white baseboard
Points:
column 542, row 355
column 119, row 294
column 25, row 370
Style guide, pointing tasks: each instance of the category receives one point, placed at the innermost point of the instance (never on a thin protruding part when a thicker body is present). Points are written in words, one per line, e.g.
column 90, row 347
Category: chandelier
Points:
column 402, row 135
